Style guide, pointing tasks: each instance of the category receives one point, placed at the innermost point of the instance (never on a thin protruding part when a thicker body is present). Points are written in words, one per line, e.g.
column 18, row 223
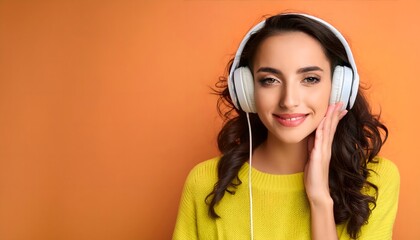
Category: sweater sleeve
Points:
column 381, row 221
column 185, row 227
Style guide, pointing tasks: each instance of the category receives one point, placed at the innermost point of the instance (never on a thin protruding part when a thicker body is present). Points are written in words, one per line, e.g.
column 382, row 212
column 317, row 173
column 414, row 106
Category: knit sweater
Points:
column 280, row 206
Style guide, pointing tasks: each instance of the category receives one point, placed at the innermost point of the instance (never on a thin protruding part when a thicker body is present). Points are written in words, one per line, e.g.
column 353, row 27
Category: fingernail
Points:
column 343, row 113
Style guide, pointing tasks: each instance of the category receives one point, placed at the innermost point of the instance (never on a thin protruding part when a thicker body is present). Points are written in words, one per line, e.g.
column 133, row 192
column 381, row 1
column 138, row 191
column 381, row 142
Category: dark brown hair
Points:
column 357, row 141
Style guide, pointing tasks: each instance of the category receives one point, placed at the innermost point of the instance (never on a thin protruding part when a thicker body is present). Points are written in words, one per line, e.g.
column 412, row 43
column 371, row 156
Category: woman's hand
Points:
column 316, row 175
column 319, row 148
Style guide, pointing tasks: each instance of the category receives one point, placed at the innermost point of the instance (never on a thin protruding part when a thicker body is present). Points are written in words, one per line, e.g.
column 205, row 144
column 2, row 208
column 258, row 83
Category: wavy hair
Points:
column 358, row 139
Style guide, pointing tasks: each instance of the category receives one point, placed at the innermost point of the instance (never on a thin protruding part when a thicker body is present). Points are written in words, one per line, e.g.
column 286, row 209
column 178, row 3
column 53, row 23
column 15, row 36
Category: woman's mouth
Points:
column 290, row 120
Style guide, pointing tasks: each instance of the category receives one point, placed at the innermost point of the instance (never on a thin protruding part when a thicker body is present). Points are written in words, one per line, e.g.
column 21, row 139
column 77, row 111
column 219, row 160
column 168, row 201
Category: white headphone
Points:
column 345, row 80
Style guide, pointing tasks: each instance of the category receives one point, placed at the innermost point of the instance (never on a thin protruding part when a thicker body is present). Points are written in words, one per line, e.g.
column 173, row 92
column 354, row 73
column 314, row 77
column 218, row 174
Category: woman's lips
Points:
column 290, row 120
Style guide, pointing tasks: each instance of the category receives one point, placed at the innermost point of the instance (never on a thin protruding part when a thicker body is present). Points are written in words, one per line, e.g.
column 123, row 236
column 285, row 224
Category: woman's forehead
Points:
column 290, row 48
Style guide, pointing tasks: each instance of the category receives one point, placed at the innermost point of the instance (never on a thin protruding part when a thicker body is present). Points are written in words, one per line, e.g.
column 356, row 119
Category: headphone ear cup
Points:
column 342, row 84
column 244, row 88
column 337, row 85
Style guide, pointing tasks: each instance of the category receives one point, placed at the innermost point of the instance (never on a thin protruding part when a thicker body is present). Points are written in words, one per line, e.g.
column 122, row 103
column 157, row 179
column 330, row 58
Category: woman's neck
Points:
column 277, row 157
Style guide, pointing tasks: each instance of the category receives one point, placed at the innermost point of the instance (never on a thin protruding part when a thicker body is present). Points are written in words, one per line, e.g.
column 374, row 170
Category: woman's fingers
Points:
column 318, row 141
column 327, row 128
column 333, row 116
column 311, row 142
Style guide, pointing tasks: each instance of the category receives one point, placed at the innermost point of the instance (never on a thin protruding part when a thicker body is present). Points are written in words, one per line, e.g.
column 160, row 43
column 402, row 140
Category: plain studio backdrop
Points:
column 105, row 106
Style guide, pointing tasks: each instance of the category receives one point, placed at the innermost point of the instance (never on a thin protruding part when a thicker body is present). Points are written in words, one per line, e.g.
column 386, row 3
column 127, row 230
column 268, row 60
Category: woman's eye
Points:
column 311, row 80
column 268, row 81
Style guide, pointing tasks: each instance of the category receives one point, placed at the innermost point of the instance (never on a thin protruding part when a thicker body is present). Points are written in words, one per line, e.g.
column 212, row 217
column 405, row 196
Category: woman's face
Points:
column 292, row 78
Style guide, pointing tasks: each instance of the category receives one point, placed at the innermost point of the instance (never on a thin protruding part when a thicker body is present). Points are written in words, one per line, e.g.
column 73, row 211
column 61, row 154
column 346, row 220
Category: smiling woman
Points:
column 299, row 145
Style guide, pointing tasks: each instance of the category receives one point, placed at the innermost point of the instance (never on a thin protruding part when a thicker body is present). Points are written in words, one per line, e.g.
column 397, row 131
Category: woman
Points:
column 310, row 169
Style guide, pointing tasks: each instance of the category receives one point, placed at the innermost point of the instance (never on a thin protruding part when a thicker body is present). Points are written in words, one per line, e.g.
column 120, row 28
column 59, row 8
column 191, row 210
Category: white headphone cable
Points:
column 251, row 221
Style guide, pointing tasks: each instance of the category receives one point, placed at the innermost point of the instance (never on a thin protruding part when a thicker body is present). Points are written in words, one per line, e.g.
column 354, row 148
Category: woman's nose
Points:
column 289, row 96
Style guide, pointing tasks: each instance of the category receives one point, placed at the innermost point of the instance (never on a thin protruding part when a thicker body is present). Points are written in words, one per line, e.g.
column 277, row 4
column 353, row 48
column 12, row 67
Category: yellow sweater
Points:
column 280, row 206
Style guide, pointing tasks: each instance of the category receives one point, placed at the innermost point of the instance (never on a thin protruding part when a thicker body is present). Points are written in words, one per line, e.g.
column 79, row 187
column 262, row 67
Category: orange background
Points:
column 105, row 105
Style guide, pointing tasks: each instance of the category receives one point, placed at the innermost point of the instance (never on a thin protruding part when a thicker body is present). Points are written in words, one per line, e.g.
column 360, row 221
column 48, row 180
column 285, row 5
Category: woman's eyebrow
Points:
column 269, row 70
column 309, row 69
column 300, row 70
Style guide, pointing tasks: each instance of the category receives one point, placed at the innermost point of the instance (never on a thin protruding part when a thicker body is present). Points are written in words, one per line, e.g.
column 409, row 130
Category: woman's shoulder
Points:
column 204, row 174
column 383, row 172
column 205, row 168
